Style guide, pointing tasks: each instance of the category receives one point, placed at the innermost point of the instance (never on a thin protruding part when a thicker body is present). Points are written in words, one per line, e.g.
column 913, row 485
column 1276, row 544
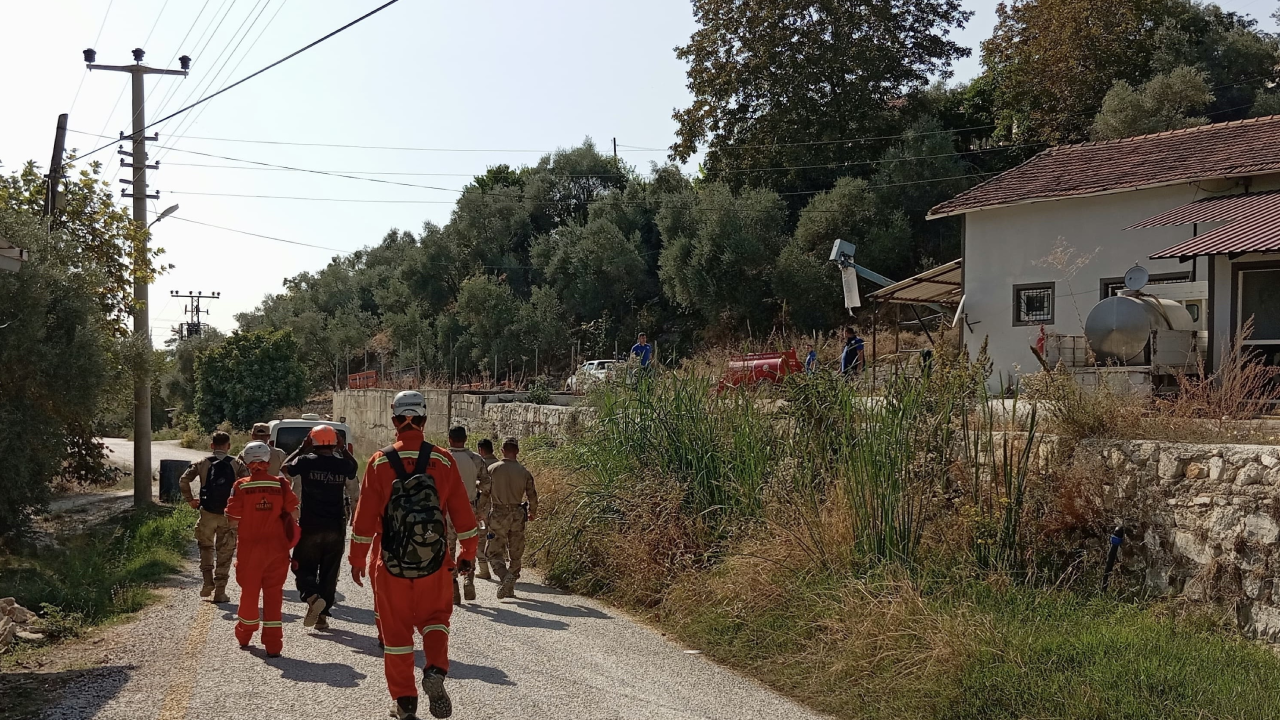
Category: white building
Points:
column 1045, row 241
column 11, row 258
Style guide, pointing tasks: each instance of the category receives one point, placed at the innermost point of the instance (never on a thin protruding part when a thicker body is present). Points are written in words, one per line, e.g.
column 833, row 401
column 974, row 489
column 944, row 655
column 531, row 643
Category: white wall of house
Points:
column 1073, row 243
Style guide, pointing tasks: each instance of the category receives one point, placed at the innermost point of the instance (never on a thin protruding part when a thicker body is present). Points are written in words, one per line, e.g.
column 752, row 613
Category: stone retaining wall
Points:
column 493, row 415
column 1203, row 521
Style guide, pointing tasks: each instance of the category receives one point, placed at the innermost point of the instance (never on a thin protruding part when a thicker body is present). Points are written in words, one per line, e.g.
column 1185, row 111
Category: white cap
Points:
column 256, row 452
column 409, row 403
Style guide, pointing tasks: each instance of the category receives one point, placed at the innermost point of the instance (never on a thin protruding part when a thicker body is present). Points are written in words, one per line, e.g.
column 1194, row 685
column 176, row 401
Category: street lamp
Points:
column 167, row 212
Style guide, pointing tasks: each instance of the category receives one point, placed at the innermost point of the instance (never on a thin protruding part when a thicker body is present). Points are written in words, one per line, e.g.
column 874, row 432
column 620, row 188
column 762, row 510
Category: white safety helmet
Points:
column 256, row 452
column 409, row 403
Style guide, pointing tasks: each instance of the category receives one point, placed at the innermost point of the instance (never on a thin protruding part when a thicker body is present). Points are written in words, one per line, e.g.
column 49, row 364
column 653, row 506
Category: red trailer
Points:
column 757, row 368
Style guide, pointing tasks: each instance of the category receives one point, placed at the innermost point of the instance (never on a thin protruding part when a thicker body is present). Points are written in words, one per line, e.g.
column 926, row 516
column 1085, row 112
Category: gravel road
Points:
column 120, row 452
column 543, row 655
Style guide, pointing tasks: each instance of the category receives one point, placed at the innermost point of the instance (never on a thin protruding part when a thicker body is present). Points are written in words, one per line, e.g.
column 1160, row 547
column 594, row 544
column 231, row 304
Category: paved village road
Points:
column 543, row 655
column 120, row 452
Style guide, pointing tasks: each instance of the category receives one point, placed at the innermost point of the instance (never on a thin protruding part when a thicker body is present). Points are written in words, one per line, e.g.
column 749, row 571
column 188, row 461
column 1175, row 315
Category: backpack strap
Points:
column 397, row 464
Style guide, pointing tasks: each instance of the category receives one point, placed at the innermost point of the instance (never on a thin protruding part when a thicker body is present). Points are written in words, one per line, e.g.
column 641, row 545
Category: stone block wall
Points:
column 484, row 415
column 1203, row 521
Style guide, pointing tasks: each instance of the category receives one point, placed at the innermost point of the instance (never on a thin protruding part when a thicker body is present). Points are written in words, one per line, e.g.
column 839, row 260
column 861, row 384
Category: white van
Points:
column 289, row 434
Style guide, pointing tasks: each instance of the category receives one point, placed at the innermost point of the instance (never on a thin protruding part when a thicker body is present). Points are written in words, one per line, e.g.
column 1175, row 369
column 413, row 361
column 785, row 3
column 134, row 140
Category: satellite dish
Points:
column 1136, row 278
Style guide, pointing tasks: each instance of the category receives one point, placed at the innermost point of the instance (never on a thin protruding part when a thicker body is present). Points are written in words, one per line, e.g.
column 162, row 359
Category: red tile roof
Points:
column 1231, row 149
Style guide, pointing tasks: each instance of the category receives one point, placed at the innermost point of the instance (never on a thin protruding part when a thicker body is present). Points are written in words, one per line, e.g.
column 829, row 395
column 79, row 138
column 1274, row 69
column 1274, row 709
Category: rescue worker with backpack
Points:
column 264, row 510
column 323, row 479
column 409, row 491
column 214, row 534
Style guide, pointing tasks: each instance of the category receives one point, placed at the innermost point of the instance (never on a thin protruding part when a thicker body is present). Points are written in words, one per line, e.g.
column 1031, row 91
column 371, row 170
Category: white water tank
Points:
column 1119, row 328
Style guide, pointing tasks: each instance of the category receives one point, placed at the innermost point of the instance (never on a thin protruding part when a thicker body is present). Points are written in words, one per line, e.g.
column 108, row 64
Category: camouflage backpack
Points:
column 413, row 524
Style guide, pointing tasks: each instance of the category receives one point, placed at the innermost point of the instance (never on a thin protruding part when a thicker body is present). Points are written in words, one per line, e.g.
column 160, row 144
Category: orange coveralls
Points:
column 259, row 503
column 402, row 605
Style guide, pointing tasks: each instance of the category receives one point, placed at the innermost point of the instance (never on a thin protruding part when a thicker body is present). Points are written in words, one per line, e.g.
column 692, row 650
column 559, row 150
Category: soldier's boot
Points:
column 457, row 593
column 405, row 708
column 433, row 685
column 469, row 587
column 482, row 570
column 220, row 592
column 510, row 582
column 207, row 589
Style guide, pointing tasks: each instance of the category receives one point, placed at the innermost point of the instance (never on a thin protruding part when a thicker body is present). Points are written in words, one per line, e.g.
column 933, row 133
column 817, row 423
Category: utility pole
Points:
column 193, row 327
column 55, row 166
column 615, row 151
column 141, row 313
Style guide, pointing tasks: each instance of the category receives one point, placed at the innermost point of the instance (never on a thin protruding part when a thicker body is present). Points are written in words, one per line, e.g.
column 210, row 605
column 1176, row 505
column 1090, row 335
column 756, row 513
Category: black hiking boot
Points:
column 433, row 685
column 405, row 708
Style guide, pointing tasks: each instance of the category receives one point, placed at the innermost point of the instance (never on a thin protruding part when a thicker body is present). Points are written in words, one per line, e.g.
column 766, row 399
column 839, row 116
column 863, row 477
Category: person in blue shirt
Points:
column 643, row 350
column 811, row 361
column 851, row 359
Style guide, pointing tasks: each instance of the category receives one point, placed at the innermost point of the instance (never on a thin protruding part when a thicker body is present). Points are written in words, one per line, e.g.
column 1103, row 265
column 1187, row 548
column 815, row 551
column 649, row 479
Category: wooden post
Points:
column 897, row 328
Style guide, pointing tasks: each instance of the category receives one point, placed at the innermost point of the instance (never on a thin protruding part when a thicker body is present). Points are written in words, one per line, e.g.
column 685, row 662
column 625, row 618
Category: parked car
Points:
column 590, row 373
column 289, row 434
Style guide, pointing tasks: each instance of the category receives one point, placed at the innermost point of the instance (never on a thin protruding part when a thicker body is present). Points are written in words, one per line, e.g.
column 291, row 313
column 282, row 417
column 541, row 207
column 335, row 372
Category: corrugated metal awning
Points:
column 940, row 285
column 1216, row 209
column 1252, row 225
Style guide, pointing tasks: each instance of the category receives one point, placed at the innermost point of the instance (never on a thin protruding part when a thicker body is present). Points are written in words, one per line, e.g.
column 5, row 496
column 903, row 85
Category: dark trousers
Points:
column 318, row 559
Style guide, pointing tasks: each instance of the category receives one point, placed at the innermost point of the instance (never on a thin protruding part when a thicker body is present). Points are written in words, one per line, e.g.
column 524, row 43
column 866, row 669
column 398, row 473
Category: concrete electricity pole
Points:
column 141, row 313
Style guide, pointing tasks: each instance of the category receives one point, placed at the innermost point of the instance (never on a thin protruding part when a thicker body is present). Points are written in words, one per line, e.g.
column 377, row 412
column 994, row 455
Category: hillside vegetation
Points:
column 888, row 557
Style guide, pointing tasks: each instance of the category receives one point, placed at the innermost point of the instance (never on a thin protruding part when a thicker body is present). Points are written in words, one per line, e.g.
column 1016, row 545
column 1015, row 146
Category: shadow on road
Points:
column 535, row 589
column 357, row 615
column 459, row 670
column 234, row 609
column 551, row 608
column 332, row 674
column 511, row 618
column 363, row 644
column 74, row 693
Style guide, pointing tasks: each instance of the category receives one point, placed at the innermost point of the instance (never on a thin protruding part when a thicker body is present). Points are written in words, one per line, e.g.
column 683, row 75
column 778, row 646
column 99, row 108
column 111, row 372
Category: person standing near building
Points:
column 514, row 502
column 264, row 510
column 324, row 478
column 410, row 490
column 261, row 432
column 214, row 535
column 851, row 358
column 475, row 478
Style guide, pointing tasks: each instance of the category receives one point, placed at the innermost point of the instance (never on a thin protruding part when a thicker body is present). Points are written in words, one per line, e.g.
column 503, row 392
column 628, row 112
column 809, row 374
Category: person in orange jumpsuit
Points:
column 264, row 509
column 413, row 589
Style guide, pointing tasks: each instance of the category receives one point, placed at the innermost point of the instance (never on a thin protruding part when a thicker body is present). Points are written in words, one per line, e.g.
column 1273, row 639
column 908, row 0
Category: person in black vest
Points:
column 324, row 479
column 215, row 536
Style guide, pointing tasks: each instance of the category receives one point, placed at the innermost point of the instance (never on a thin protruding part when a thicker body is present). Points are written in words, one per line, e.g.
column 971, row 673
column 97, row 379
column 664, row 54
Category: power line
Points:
column 247, row 53
column 190, row 120
column 144, row 42
column 102, row 26
column 247, row 78
column 257, row 235
column 520, row 198
column 369, row 147
column 203, row 43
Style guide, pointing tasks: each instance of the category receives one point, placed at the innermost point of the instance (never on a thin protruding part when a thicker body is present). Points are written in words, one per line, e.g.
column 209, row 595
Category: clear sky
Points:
column 481, row 82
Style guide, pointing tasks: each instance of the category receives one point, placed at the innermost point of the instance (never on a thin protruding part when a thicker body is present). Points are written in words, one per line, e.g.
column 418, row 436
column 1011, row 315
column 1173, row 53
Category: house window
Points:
column 1110, row 287
column 1033, row 304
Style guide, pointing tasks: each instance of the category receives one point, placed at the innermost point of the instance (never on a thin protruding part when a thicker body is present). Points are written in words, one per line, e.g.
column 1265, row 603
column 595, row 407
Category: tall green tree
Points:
column 249, row 376
column 1052, row 62
column 1165, row 102
column 718, row 254
column 775, row 81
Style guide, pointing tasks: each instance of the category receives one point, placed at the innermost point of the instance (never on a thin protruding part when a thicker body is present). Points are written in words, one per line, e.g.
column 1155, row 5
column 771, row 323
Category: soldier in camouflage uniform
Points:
column 475, row 478
column 214, row 534
column 484, row 448
column 514, row 501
